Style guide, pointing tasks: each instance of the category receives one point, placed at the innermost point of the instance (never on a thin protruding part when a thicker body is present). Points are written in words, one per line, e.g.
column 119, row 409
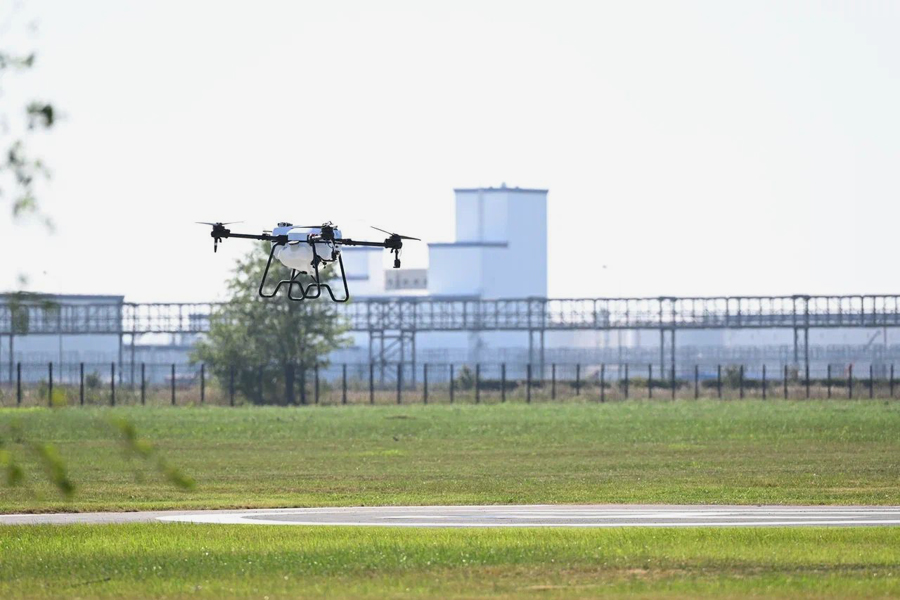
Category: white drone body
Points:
column 298, row 254
column 308, row 250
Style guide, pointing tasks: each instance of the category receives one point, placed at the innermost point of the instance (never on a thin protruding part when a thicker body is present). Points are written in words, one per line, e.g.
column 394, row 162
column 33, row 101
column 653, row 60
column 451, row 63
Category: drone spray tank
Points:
column 298, row 253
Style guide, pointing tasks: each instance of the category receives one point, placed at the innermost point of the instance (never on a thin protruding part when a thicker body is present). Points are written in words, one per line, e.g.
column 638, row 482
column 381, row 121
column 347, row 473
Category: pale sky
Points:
column 693, row 148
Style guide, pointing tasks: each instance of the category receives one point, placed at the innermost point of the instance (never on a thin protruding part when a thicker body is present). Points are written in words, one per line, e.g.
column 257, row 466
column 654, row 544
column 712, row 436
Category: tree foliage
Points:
column 268, row 345
column 20, row 170
column 19, row 173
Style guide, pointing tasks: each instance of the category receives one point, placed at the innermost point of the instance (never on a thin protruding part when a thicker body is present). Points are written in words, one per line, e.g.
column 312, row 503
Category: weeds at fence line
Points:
column 87, row 384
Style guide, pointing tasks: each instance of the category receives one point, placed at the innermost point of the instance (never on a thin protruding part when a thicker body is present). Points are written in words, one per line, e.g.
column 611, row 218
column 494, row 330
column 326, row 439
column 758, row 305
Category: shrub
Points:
column 92, row 381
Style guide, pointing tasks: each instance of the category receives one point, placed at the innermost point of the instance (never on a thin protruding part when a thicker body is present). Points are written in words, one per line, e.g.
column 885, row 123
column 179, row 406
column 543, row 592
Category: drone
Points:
column 308, row 250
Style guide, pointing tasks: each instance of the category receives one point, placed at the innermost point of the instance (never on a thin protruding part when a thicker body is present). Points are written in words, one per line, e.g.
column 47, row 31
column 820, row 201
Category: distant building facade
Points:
column 62, row 348
column 499, row 250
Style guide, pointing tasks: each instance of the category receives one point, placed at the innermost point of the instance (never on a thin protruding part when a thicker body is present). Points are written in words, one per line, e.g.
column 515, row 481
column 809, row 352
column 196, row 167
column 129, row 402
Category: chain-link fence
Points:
column 110, row 384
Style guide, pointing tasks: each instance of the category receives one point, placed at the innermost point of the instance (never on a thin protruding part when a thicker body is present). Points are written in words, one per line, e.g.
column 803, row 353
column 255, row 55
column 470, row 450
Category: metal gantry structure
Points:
column 392, row 324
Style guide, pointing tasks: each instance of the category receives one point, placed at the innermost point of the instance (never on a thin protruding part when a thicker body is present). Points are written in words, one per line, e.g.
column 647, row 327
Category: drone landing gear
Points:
column 310, row 291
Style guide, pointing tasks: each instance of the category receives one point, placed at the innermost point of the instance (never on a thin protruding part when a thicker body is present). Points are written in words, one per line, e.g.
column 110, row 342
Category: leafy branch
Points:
column 20, row 171
column 14, row 444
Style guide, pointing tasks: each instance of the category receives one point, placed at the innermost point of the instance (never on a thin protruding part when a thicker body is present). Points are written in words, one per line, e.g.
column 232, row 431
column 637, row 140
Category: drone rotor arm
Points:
column 220, row 232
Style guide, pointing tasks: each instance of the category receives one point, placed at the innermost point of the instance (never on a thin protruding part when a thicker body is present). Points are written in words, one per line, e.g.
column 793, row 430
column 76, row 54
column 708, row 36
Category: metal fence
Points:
column 109, row 384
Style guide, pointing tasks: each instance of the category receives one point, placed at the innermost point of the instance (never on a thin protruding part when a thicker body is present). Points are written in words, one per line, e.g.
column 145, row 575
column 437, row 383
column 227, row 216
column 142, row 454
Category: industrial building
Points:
column 499, row 251
column 496, row 262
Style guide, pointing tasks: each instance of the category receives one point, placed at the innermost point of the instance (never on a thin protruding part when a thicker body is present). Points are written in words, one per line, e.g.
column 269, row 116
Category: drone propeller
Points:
column 394, row 243
column 396, row 235
column 218, row 231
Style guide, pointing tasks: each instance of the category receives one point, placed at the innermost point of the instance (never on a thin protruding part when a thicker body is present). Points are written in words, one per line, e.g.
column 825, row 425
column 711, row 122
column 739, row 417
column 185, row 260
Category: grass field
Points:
column 258, row 561
column 652, row 452
column 841, row 452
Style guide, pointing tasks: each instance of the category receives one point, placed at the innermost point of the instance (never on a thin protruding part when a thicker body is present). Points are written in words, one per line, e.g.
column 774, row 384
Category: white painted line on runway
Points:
column 505, row 516
column 238, row 520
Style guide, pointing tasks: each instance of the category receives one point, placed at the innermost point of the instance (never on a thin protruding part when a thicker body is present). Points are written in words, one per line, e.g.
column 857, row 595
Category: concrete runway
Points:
column 506, row 516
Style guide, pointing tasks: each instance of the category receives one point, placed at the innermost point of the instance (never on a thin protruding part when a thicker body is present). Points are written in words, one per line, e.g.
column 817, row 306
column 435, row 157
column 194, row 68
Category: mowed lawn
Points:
column 259, row 561
column 751, row 451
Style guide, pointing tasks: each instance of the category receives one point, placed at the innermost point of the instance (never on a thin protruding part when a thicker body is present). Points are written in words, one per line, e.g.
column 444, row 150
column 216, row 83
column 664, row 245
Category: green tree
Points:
column 268, row 344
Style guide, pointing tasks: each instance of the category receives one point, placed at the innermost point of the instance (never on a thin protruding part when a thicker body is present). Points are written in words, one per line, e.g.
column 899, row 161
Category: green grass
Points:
column 790, row 452
column 681, row 452
column 183, row 560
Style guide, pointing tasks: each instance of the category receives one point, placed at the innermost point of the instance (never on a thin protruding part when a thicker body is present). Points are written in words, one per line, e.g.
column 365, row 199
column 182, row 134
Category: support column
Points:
column 412, row 343
column 662, row 352
column 133, row 336
column 801, row 355
column 381, row 359
column 806, row 351
column 400, row 366
column 619, row 345
column 543, row 370
column 121, row 349
column 530, row 347
column 673, row 356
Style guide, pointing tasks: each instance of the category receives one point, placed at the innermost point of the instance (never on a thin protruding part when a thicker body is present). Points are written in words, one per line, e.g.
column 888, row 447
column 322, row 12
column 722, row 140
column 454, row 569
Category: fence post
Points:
column 719, row 381
column 578, row 379
column 18, row 384
column 316, row 381
column 425, row 383
column 807, row 381
column 231, row 385
column 112, row 384
column 81, row 383
column 850, row 382
column 828, row 383
column 50, row 384
column 673, row 383
column 173, row 384
column 785, row 382
column 892, row 380
column 503, row 382
column 202, row 383
column 553, row 381
column 452, row 383
column 344, row 383
column 764, row 381
column 741, row 382
column 528, row 384
column 477, row 383
column 399, row 382
column 696, row 381
column 871, row 381
column 650, row 380
column 626, row 381
column 371, row 383
column 143, row 385
column 603, row 383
